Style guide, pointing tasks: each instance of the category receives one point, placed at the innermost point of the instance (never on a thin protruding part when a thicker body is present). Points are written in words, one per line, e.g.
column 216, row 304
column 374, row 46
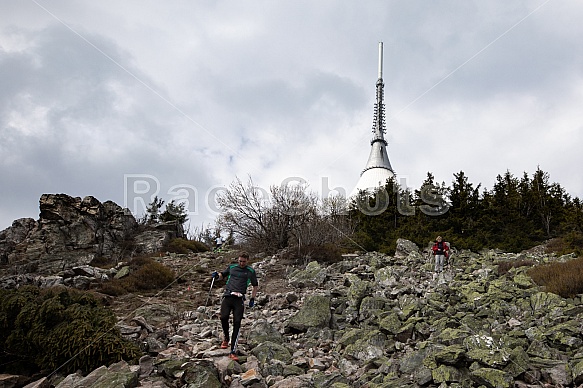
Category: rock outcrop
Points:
column 72, row 232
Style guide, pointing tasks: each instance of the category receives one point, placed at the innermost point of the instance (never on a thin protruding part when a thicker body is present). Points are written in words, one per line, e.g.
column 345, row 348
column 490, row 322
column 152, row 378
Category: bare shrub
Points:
column 285, row 216
column 150, row 276
column 113, row 288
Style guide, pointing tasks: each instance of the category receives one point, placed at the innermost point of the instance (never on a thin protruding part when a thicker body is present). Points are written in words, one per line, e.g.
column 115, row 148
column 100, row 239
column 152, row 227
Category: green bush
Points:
column 58, row 329
column 151, row 275
column 564, row 279
column 181, row 245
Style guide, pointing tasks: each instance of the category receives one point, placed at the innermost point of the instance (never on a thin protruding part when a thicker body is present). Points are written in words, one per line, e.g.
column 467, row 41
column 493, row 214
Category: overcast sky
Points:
column 125, row 99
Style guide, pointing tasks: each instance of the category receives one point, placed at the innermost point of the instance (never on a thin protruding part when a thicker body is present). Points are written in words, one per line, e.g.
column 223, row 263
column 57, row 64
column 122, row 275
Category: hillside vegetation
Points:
column 517, row 214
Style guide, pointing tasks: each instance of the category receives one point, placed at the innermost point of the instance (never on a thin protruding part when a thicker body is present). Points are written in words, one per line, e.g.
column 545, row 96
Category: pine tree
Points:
column 153, row 210
column 174, row 212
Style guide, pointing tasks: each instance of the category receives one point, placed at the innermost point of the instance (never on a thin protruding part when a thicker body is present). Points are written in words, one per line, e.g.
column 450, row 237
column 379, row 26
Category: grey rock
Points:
column 268, row 351
column 123, row 272
column 446, row 374
column 358, row 289
column 201, row 373
column 154, row 346
column 141, row 321
column 492, row 377
column 151, row 241
column 263, row 331
column 14, row 235
column 312, row 276
column 314, row 313
column 156, row 314
column 13, row 381
column 405, row 247
column 117, row 375
column 370, row 345
column 577, row 371
column 146, row 366
column 304, row 381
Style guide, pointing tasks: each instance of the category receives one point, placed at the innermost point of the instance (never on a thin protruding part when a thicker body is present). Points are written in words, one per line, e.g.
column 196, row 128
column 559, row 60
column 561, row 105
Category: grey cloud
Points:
column 278, row 97
column 284, row 88
column 84, row 122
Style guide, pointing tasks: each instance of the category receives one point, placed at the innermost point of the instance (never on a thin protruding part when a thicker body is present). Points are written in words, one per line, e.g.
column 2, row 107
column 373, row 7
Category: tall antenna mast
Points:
column 380, row 60
column 378, row 167
column 378, row 127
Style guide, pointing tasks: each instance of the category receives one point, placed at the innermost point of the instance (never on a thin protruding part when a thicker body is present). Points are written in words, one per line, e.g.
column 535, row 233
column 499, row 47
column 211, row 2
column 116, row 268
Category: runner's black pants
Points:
column 237, row 306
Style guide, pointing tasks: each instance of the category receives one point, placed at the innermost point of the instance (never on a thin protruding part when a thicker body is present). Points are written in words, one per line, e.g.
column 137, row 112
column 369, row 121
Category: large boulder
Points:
column 71, row 232
column 492, row 378
column 312, row 276
column 314, row 313
column 117, row 375
column 405, row 247
column 370, row 345
column 262, row 331
column 201, row 374
column 267, row 352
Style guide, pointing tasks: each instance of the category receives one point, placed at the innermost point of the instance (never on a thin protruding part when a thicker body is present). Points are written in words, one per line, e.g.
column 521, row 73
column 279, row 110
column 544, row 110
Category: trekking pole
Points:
column 209, row 295
column 236, row 342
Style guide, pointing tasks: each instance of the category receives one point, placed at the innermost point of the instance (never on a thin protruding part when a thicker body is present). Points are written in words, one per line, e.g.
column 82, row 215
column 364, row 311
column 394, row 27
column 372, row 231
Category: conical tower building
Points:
column 378, row 167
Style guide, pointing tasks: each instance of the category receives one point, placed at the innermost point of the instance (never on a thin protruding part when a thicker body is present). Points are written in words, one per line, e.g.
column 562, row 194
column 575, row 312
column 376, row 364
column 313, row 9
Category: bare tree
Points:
column 293, row 208
column 286, row 215
column 266, row 219
column 244, row 209
column 331, row 225
column 335, row 210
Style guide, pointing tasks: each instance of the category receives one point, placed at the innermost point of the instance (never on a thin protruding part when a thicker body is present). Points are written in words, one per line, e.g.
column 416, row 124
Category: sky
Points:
column 126, row 100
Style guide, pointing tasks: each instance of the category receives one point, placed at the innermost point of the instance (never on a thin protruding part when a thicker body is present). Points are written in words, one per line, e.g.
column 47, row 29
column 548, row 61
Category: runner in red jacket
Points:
column 441, row 252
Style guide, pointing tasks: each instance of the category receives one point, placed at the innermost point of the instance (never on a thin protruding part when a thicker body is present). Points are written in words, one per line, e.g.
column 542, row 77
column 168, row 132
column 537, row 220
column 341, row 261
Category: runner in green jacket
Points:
column 238, row 276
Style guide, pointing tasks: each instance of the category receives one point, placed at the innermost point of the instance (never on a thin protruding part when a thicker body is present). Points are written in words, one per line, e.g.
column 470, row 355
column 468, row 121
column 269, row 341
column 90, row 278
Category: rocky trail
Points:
column 370, row 320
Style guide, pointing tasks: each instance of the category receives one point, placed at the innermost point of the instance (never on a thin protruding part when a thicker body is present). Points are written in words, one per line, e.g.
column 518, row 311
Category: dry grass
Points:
column 505, row 266
column 564, row 279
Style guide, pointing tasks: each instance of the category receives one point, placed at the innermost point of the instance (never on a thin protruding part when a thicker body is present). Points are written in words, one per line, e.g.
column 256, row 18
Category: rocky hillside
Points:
column 370, row 320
